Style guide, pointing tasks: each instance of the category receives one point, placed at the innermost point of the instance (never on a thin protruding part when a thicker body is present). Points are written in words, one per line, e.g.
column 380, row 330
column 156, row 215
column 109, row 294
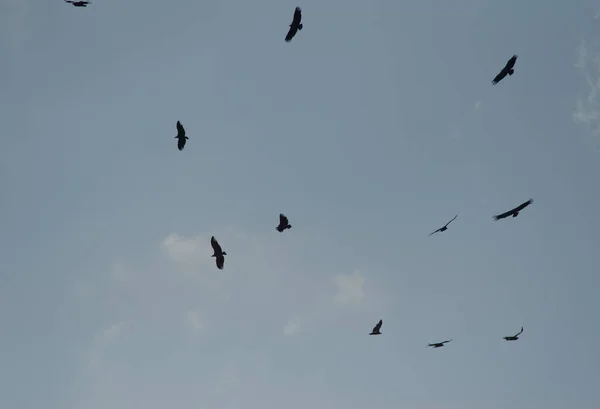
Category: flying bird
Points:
column 444, row 227
column 514, row 337
column 439, row 344
column 284, row 223
column 295, row 26
column 181, row 138
column 79, row 3
column 376, row 328
column 508, row 69
column 514, row 212
column 218, row 253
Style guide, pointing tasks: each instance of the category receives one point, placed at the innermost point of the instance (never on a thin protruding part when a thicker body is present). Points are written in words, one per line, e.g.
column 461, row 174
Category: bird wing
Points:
column 510, row 63
column 180, row 130
column 283, row 221
column 377, row 327
column 523, row 205
column 215, row 245
column 181, row 143
column 435, row 231
column 451, row 220
column 500, row 76
column 520, row 332
column 291, row 33
column 220, row 260
column 445, row 342
column 503, row 215
column 297, row 16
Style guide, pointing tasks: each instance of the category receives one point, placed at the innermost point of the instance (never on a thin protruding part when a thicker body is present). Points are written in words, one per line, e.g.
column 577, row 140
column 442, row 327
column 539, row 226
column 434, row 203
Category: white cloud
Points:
column 293, row 326
column 587, row 111
column 194, row 319
column 188, row 252
column 349, row 288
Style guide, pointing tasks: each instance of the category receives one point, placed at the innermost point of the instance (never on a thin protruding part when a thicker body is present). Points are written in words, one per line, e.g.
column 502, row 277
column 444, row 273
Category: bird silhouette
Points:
column 514, row 337
column 439, row 344
column 283, row 223
column 181, row 138
column 295, row 26
column 444, row 227
column 514, row 212
column 78, row 3
column 507, row 70
column 218, row 253
column 376, row 328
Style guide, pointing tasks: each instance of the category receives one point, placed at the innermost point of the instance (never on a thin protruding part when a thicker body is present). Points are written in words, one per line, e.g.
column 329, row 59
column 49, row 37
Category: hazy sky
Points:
column 372, row 128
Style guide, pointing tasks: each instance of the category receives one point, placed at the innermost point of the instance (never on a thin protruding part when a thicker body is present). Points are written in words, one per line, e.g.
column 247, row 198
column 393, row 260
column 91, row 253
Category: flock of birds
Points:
column 284, row 223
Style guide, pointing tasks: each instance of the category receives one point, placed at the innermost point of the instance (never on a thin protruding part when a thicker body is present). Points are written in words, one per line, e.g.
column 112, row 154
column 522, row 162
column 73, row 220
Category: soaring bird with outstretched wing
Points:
column 514, row 337
column 439, row 344
column 444, row 227
column 507, row 70
column 218, row 253
column 181, row 138
column 295, row 26
column 514, row 212
column 78, row 3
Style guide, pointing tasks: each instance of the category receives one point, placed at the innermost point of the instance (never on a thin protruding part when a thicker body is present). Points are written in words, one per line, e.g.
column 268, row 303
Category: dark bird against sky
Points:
column 507, row 70
column 514, row 337
column 218, row 253
column 79, row 3
column 295, row 26
column 439, row 344
column 444, row 227
column 377, row 328
column 284, row 223
column 181, row 138
column 514, row 212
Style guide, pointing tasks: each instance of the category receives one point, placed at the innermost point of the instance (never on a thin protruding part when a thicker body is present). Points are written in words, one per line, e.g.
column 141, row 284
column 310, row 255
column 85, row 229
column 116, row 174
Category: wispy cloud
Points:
column 102, row 339
column 293, row 326
column 349, row 288
column 188, row 252
column 587, row 111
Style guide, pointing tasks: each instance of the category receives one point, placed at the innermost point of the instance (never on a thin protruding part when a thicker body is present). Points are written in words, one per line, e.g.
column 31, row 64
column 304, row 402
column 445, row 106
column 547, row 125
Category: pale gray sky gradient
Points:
column 372, row 128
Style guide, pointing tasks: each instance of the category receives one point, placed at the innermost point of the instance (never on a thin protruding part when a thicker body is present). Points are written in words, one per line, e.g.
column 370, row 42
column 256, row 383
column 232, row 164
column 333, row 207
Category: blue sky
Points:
column 372, row 128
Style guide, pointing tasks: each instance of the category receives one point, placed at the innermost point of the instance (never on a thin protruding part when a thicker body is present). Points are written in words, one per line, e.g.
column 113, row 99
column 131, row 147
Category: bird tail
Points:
column 300, row 26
